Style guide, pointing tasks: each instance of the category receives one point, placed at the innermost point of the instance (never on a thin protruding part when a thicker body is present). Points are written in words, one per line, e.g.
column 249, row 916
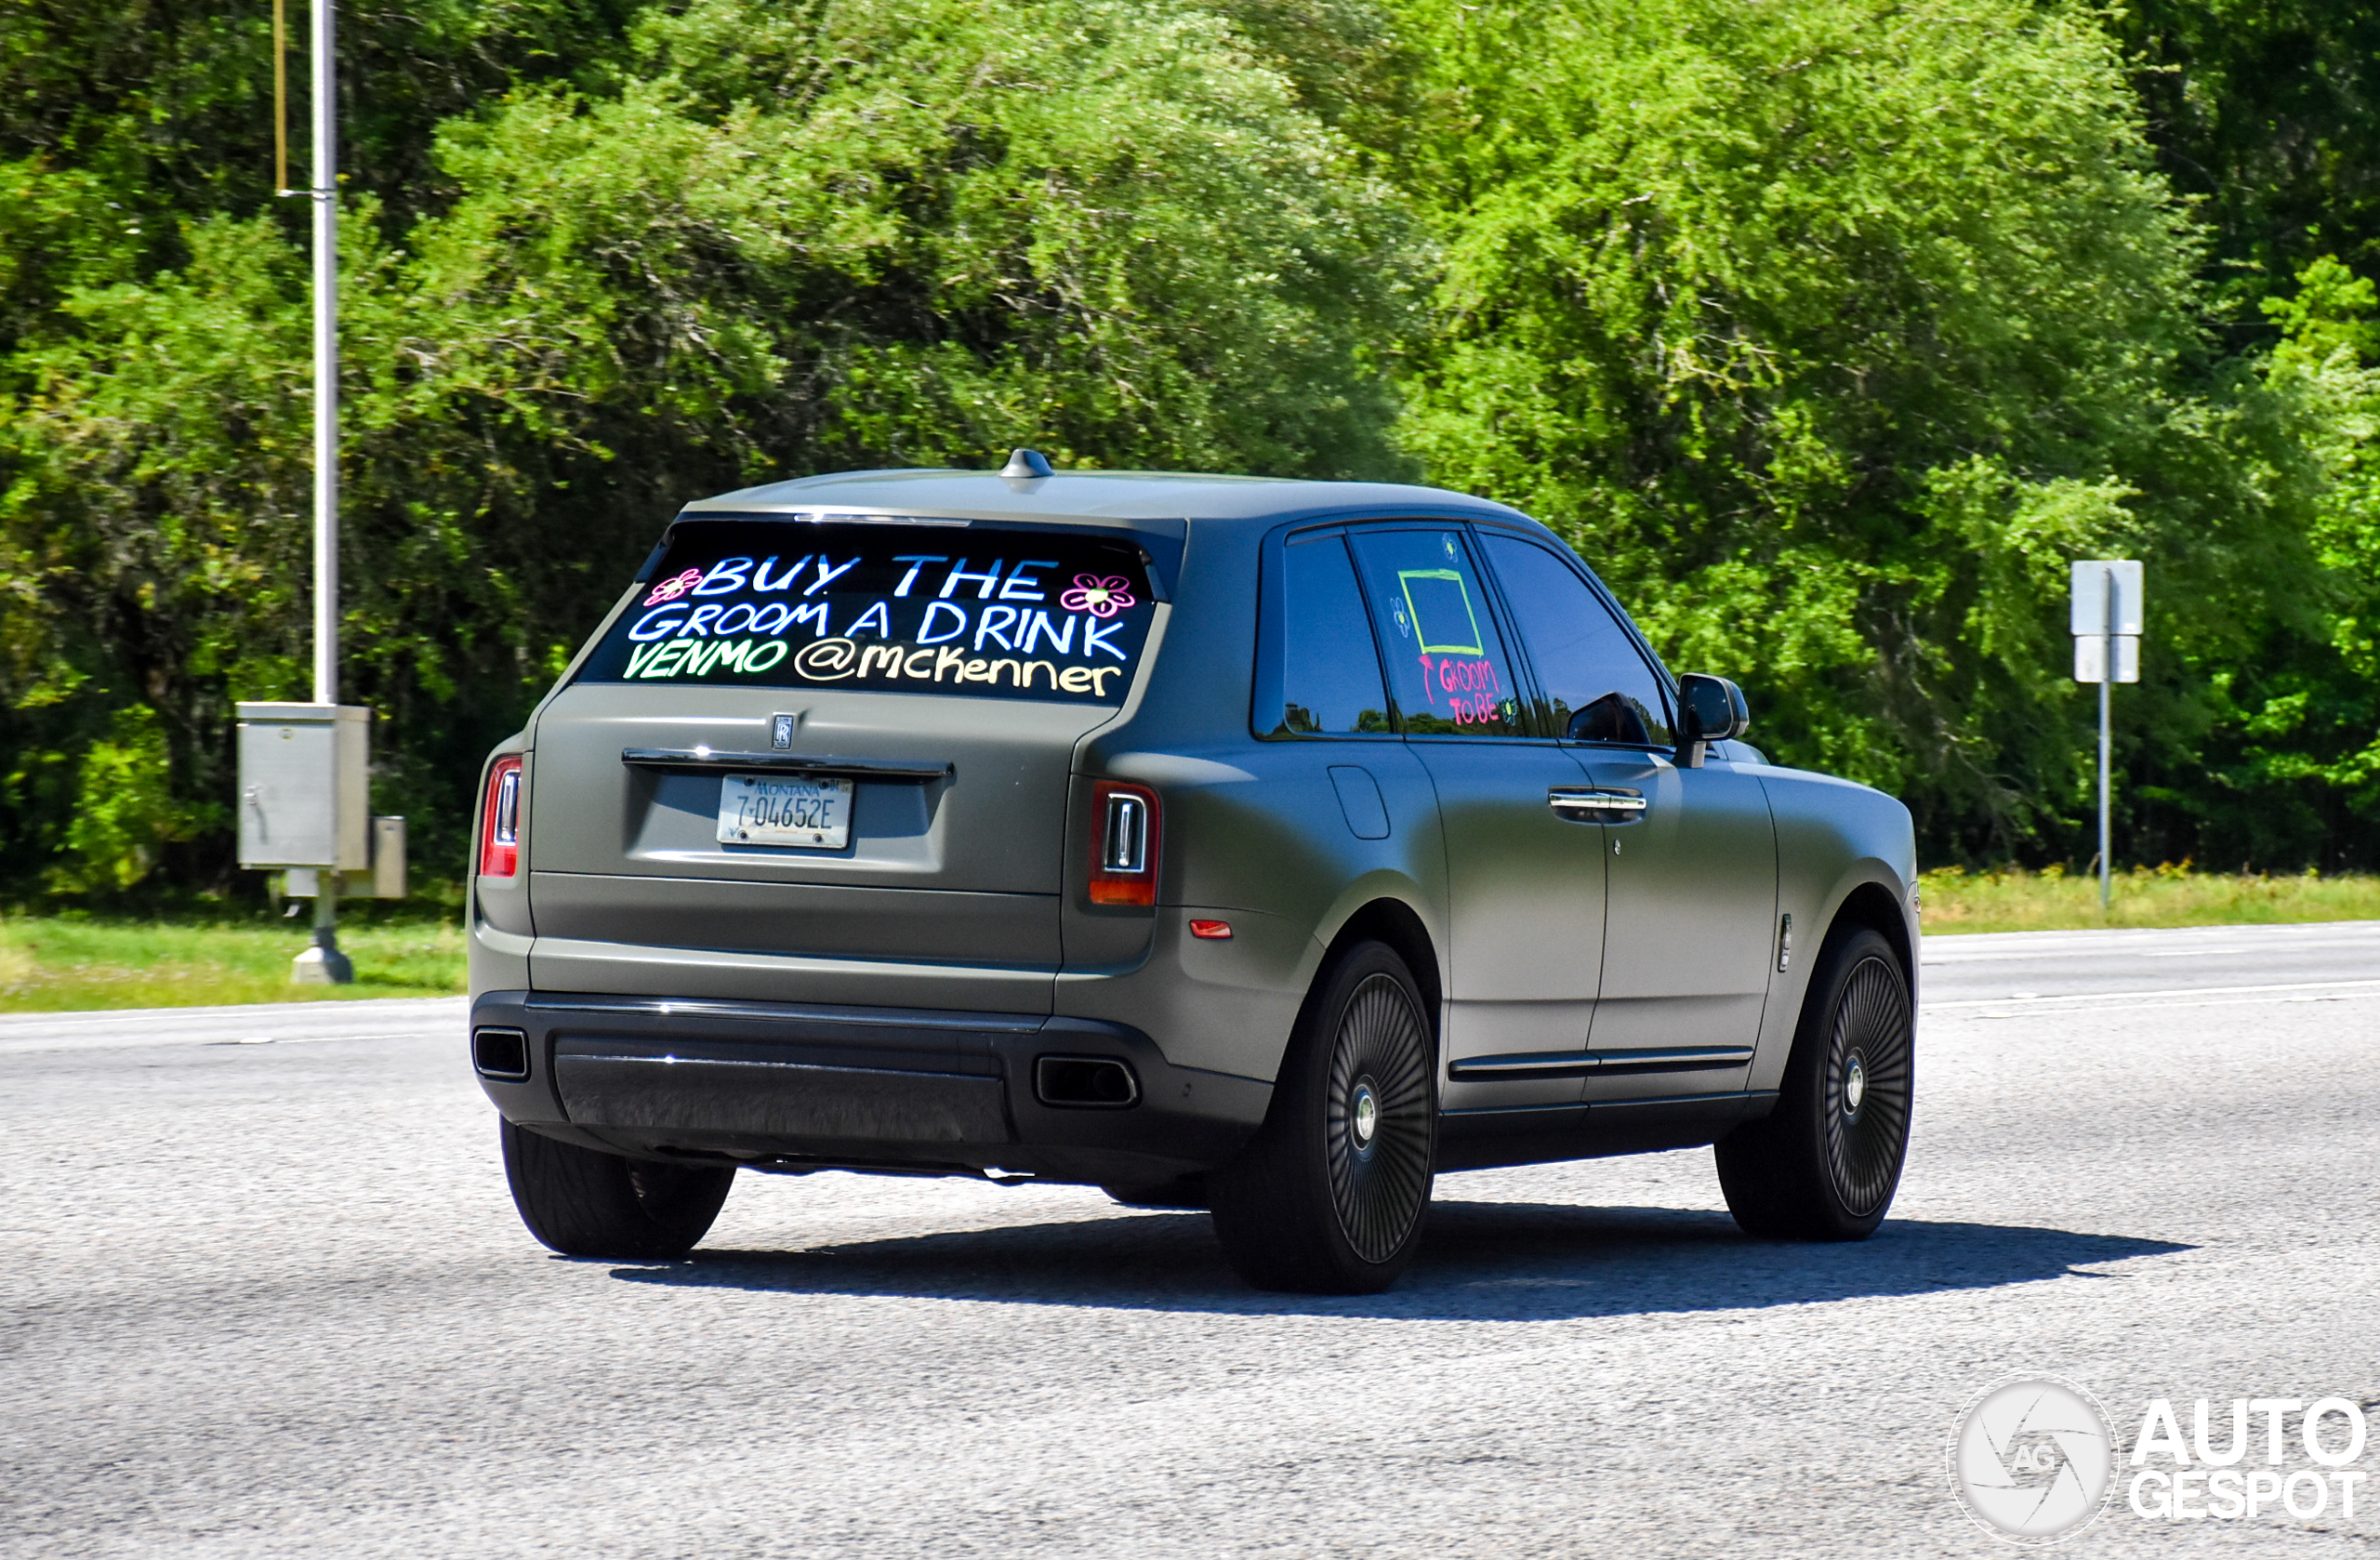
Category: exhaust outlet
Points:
column 1085, row 1082
column 500, row 1054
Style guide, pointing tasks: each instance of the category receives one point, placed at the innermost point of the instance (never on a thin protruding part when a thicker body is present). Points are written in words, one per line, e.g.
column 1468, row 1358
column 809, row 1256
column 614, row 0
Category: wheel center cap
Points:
column 1366, row 1115
column 1855, row 1086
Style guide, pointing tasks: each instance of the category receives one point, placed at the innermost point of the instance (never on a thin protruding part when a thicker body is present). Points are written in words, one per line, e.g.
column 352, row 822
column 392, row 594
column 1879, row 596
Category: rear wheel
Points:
column 584, row 1203
column 1329, row 1196
column 1825, row 1163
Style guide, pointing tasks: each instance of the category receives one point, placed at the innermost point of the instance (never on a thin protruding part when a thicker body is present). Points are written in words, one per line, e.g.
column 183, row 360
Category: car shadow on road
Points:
column 1480, row 1261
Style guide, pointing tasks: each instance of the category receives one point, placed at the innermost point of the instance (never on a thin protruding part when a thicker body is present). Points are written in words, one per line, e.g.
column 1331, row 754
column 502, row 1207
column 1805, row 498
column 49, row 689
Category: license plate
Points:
column 795, row 810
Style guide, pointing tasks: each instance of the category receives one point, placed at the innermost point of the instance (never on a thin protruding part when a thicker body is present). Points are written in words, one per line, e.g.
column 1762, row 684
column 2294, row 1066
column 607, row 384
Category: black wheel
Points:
column 1329, row 1196
column 1824, row 1164
column 584, row 1203
column 1181, row 1192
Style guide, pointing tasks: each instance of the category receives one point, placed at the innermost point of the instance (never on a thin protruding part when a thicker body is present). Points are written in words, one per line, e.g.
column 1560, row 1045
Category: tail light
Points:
column 1123, row 843
column 500, row 825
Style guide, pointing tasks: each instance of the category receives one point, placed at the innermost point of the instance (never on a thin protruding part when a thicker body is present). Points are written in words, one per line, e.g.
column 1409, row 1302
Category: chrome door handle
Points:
column 1590, row 804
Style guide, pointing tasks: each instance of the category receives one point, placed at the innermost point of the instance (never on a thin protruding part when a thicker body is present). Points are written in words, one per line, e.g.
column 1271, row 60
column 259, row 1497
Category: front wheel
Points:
column 1329, row 1197
column 585, row 1203
column 1825, row 1163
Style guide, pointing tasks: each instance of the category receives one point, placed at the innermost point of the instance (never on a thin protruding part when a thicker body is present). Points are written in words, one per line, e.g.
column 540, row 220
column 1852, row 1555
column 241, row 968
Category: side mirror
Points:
column 1710, row 709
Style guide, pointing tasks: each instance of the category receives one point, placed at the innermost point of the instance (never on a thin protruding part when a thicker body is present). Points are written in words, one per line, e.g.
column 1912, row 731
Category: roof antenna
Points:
column 1026, row 464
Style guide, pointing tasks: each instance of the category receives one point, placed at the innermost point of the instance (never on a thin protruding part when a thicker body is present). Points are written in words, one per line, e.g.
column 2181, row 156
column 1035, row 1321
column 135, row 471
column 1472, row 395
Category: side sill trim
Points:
column 1525, row 1064
column 1680, row 1060
column 1577, row 1063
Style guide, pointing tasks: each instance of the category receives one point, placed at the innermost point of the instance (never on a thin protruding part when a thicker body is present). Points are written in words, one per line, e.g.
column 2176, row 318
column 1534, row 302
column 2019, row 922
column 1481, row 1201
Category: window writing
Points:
column 963, row 610
column 1445, row 661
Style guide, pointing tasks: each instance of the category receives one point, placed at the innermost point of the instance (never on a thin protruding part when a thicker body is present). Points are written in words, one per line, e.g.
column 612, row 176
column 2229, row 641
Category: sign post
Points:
column 2106, row 621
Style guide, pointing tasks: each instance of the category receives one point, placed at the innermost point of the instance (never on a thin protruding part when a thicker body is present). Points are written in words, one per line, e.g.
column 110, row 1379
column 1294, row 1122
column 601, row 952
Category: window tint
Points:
column 1329, row 672
column 1596, row 679
column 1446, row 663
column 957, row 609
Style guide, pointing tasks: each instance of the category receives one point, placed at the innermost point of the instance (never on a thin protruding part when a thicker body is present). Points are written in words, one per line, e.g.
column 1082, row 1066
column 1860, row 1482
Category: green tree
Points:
column 125, row 810
column 773, row 239
column 2266, row 114
column 2297, row 742
column 1830, row 330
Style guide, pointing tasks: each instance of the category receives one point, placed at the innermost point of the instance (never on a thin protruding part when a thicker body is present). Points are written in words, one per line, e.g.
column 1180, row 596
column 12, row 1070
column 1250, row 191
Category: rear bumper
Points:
column 790, row 1086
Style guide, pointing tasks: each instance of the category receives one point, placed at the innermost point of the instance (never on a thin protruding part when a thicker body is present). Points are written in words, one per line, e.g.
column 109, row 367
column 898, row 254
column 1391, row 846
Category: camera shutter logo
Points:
column 2032, row 1458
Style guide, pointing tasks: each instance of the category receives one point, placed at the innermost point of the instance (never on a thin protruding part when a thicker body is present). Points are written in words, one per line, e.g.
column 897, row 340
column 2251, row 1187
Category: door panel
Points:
column 1525, row 887
column 1690, row 855
column 1687, row 942
column 1524, row 882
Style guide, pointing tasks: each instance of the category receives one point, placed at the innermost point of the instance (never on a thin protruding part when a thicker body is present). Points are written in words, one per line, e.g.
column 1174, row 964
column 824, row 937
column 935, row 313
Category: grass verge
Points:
column 2011, row 899
column 73, row 961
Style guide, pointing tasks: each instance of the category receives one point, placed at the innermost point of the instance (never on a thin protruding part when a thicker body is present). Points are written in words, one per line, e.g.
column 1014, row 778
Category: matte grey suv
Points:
column 1261, row 846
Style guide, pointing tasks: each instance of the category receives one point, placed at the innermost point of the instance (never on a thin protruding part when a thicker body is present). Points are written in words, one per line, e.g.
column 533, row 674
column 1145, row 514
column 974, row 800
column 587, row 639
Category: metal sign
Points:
column 2106, row 619
column 2106, row 596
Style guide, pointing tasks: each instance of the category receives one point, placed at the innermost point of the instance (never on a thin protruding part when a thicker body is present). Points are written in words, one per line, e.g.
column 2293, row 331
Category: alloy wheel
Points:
column 1377, row 1118
column 1867, row 1083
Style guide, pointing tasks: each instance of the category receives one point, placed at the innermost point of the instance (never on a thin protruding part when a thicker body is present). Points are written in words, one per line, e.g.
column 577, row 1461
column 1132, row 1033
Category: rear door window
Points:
column 1594, row 680
column 973, row 611
column 1331, row 682
column 1446, row 666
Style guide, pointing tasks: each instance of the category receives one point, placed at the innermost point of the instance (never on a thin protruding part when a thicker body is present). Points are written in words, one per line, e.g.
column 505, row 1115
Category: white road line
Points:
column 1933, row 954
column 2164, row 992
column 385, row 1018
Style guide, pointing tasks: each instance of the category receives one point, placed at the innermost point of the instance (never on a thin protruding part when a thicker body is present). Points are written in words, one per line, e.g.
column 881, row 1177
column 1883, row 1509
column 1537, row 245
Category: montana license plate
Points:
column 800, row 810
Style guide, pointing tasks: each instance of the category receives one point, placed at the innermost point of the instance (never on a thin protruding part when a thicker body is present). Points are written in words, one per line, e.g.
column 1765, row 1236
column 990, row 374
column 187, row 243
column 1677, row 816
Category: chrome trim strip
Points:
column 709, row 760
column 1527, row 1063
column 784, row 1012
column 1679, row 1059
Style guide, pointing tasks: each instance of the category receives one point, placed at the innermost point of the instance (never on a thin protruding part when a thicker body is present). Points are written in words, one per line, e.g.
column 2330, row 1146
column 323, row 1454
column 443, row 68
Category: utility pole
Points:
column 324, row 193
column 2106, row 622
column 335, row 966
column 305, row 786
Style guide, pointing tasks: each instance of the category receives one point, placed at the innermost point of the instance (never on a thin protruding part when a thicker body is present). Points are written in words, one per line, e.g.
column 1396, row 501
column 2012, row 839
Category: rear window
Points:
column 923, row 609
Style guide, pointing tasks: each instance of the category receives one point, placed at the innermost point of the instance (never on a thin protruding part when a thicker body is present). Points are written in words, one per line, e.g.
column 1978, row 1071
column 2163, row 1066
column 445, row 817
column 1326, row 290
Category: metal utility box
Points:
column 305, row 791
column 385, row 881
column 388, row 859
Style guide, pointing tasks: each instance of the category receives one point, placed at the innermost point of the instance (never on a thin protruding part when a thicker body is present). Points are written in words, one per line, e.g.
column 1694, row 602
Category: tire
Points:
column 584, row 1203
column 1181, row 1192
column 1315, row 1205
column 1825, row 1163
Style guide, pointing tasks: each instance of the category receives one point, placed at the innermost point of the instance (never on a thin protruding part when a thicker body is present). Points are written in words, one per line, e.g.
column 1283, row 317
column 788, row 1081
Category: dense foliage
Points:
column 1828, row 329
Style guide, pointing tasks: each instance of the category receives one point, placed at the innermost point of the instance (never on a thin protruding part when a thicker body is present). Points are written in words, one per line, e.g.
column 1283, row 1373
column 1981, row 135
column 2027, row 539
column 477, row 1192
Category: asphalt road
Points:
column 262, row 1293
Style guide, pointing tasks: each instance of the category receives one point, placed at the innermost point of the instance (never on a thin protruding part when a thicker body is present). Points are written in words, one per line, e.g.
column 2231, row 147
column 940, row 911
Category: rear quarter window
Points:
column 970, row 610
column 1331, row 682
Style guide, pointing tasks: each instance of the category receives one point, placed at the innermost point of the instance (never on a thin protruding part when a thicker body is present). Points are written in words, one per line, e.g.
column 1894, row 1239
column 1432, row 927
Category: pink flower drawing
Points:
column 671, row 589
column 1101, row 595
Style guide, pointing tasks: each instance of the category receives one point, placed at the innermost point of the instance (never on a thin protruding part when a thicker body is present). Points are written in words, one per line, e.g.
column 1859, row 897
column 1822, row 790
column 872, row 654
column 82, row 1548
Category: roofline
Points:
column 1312, row 501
